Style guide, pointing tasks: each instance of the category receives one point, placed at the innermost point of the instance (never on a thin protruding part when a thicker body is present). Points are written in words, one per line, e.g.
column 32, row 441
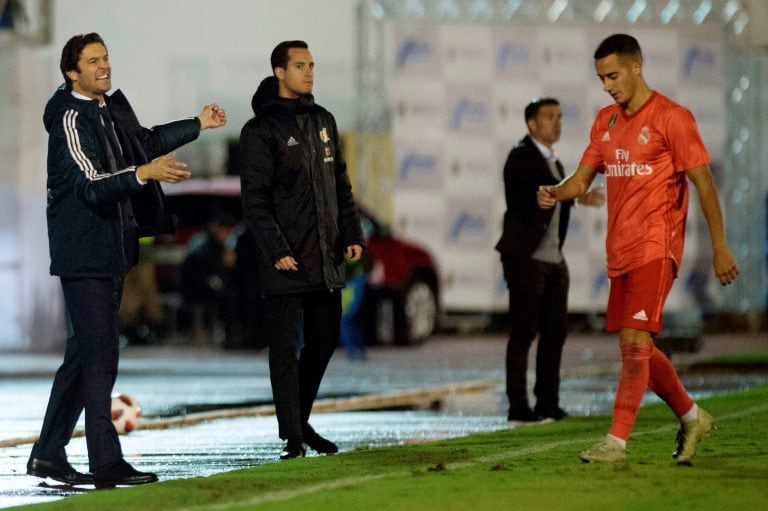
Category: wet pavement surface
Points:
column 178, row 379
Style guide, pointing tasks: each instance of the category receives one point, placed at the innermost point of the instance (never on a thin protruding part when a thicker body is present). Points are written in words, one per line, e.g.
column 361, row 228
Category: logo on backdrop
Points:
column 698, row 61
column 511, row 54
column 469, row 114
column 469, row 225
column 412, row 51
column 416, row 165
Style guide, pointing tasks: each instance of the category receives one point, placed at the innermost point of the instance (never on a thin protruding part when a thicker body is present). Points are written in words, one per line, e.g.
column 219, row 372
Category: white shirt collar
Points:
column 82, row 96
column 545, row 151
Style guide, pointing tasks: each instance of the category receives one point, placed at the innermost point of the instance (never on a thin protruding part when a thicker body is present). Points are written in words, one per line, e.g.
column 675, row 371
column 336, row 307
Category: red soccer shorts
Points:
column 637, row 297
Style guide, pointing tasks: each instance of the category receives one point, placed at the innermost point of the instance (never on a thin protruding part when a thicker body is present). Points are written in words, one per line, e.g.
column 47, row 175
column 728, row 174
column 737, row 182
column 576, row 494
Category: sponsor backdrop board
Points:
column 458, row 92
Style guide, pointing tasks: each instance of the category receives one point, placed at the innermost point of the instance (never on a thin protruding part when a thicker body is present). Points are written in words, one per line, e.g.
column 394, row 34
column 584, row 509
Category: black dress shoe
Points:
column 58, row 470
column 318, row 443
column 293, row 449
column 551, row 413
column 523, row 415
column 120, row 473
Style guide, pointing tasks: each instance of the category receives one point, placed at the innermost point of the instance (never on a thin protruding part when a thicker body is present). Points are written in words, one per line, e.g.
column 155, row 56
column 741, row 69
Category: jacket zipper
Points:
column 122, row 237
column 307, row 126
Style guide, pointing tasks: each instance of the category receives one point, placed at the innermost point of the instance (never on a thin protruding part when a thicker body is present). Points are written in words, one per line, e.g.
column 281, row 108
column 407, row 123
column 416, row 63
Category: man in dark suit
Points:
column 534, row 267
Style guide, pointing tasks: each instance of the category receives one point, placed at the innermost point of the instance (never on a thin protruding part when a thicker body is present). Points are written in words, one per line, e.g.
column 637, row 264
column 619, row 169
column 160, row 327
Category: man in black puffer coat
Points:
column 298, row 203
column 103, row 193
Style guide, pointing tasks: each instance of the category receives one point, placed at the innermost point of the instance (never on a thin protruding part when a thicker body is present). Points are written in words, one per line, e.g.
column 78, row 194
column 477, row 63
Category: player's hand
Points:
column 546, row 197
column 212, row 116
column 725, row 266
column 164, row 168
column 287, row 263
column 354, row 252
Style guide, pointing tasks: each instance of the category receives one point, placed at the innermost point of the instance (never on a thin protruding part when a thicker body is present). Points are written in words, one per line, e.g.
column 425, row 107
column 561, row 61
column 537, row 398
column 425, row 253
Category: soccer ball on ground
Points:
column 126, row 413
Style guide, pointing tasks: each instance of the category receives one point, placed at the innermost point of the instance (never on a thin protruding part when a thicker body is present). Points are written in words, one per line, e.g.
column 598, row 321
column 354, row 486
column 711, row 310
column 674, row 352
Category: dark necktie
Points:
column 114, row 151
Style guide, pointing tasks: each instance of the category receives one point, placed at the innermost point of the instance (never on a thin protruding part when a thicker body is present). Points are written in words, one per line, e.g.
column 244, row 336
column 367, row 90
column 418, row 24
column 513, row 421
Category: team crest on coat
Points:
column 324, row 136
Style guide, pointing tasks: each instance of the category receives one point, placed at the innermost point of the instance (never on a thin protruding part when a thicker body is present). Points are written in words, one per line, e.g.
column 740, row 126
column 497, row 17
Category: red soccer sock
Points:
column 635, row 369
column 665, row 382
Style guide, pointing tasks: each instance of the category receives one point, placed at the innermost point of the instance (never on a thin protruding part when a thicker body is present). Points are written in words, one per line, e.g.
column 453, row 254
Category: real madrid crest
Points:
column 645, row 135
column 325, row 138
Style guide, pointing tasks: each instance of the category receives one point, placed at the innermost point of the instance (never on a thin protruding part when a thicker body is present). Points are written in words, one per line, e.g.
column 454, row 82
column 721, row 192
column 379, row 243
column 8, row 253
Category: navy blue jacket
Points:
column 95, row 215
column 297, row 197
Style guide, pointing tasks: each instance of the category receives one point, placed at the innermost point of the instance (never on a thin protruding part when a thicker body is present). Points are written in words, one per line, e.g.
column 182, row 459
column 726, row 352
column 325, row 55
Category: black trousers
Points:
column 86, row 378
column 296, row 371
column 538, row 304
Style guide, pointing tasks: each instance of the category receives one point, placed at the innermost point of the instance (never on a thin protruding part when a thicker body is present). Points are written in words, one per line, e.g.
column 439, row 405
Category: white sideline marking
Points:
column 280, row 496
column 284, row 495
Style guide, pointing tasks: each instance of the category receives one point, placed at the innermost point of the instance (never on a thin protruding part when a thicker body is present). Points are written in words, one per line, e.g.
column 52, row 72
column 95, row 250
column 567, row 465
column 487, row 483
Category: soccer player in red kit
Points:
column 648, row 147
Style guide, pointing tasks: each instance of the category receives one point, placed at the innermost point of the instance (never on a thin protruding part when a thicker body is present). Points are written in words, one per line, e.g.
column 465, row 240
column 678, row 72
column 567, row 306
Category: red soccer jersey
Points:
column 644, row 156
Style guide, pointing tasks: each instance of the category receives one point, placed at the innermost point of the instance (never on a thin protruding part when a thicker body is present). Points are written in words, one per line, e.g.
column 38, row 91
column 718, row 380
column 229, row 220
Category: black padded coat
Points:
column 297, row 198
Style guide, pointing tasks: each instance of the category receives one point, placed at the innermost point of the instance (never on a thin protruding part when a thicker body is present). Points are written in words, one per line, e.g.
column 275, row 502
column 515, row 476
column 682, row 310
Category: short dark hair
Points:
column 622, row 45
column 279, row 57
column 70, row 54
column 535, row 105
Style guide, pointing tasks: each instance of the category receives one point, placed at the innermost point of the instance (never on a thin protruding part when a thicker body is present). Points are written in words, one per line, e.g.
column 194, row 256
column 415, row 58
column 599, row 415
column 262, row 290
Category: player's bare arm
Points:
column 572, row 187
column 723, row 260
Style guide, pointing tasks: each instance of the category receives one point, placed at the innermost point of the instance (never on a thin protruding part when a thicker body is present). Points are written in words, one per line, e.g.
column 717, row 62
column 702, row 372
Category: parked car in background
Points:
column 401, row 298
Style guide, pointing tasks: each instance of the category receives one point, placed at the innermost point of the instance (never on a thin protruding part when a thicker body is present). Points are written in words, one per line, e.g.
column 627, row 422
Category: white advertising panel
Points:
column 419, row 109
column 470, row 281
column 420, row 217
column 471, row 165
column 466, row 51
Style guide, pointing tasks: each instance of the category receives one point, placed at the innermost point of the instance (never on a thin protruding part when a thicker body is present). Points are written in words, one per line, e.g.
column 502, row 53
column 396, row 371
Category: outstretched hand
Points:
column 164, row 168
column 546, row 197
column 212, row 116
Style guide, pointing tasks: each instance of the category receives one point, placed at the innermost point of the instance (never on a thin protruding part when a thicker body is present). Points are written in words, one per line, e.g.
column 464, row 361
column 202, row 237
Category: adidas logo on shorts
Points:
column 640, row 316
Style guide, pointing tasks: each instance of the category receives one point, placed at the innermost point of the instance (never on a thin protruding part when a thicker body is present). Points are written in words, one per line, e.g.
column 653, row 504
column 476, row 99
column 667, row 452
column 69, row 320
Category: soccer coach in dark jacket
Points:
column 298, row 202
column 103, row 193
